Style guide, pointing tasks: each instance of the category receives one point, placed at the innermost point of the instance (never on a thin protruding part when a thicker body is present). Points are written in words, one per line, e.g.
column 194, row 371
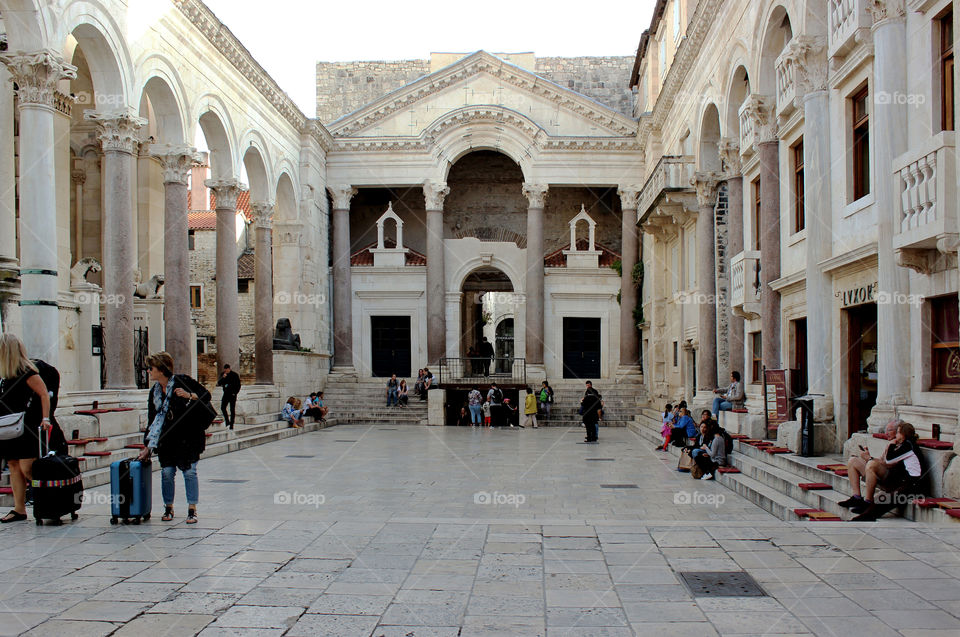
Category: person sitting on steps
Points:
column 897, row 469
column 732, row 398
column 291, row 412
column 712, row 452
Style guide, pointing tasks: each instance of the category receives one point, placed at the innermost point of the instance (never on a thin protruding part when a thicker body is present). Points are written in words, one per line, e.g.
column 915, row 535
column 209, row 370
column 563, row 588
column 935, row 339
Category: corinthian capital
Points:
column 342, row 194
column 262, row 213
column 809, row 55
column 177, row 161
column 37, row 74
column 730, row 156
column 227, row 191
column 706, row 184
column 758, row 109
column 883, row 10
column 117, row 130
column 536, row 194
column 628, row 197
column 434, row 194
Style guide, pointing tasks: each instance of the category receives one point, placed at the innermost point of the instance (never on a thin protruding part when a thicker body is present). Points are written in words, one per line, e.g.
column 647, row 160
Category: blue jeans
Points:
column 719, row 404
column 391, row 397
column 696, row 452
column 476, row 414
column 190, row 482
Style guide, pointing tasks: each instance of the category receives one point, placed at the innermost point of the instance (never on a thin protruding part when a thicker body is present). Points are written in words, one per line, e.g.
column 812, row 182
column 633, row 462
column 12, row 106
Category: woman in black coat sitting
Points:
column 178, row 414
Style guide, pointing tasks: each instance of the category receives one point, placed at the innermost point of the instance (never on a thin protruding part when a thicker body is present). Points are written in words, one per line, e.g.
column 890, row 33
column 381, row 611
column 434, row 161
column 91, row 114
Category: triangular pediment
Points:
column 477, row 82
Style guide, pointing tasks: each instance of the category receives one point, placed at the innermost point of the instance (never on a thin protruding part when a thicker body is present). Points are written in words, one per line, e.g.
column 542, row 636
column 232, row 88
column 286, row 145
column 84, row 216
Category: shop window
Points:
column 799, row 218
column 756, row 350
column 945, row 344
column 861, row 143
column 196, row 297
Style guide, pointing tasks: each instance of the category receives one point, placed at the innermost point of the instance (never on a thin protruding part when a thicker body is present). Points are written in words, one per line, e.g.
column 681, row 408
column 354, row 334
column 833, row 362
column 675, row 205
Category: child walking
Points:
column 666, row 427
column 486, row 413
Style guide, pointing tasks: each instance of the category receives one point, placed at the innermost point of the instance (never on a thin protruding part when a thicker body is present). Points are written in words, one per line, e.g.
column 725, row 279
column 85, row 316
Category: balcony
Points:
column 745, row 284
column 786, row 68
column 846, row 19
column 926, row 210
column 673, row 173
column 754, row 115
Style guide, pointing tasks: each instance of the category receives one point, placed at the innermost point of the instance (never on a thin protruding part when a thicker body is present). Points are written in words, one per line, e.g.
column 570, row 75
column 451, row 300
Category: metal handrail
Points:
column 453, row 371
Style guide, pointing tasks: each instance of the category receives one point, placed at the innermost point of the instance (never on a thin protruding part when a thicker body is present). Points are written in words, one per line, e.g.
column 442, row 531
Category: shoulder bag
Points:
column 11, row 425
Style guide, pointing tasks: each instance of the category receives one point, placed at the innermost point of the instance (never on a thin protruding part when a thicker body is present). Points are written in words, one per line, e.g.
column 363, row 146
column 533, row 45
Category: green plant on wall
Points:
column 637, row 277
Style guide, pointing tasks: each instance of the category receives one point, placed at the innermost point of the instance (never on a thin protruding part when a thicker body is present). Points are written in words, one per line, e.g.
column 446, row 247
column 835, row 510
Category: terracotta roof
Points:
column 245, row 265
column 365, row 257
column 202, row 220
column 243, row 204
column 558, row 260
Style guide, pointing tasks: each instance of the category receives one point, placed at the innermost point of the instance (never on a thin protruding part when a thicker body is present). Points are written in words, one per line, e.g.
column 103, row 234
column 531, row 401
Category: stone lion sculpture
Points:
column 149, row 289
column 80, row 271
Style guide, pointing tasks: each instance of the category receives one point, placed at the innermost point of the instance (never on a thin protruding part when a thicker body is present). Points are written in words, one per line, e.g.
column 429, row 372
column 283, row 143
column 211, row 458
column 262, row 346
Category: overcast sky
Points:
column 288, row 37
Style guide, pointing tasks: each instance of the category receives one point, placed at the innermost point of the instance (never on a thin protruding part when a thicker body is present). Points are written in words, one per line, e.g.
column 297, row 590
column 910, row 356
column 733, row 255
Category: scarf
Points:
column 162, row 405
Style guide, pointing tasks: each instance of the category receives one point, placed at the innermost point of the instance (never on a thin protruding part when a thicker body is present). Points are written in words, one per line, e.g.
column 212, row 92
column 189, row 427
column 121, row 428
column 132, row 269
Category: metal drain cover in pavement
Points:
column 599, row 459
column 296, row 456
column 619, row 486
column 346, row 441
column 722, row 584
column 221, row 481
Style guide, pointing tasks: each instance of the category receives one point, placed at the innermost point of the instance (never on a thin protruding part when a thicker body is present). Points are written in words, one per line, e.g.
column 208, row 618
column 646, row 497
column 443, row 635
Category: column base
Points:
column 629, row 373
column 880, row 415
column 823, row 408
column 344, row 374
column 703, row 399
column 536, row 373
column 436, row 399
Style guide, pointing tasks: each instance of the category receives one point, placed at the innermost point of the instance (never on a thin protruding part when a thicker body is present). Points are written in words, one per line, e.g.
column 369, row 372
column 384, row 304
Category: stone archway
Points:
column 487, row 303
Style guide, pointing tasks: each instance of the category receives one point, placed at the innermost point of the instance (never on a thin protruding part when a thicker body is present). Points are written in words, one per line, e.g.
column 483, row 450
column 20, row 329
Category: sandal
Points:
column 167, row 514
column 191, row 516
column 13, row 516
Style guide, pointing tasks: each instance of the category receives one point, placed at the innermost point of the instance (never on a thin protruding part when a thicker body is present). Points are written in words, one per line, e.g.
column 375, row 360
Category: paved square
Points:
column 450, row 531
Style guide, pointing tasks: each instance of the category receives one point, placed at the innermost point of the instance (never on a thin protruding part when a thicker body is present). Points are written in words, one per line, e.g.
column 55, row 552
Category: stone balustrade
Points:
column 786, row 69
column 745, row 283
column 846, row 19
column 748, row 130
column 672, row 173
column 924, row 180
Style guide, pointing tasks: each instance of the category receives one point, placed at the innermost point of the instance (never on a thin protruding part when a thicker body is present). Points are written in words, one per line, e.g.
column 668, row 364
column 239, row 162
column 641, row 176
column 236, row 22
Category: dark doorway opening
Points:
column 390, row 345
column 581, row 347
column 800, row 380
column 861, row 365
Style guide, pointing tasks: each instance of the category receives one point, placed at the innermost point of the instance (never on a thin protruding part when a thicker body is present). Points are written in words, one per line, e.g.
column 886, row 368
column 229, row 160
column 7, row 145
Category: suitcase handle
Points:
column 40, row 441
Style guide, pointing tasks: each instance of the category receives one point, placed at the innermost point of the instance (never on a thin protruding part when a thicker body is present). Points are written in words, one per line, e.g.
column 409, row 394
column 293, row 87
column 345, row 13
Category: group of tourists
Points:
column 295, row 411
column 495, row 410
column 705, row 443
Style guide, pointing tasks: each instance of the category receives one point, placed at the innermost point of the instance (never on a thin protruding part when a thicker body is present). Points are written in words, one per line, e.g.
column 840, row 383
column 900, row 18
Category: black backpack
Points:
column 497, row 396
column 727, row 441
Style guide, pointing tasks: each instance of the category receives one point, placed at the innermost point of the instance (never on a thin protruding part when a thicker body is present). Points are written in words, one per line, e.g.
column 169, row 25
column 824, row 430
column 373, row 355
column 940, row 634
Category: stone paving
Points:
column 419, row 531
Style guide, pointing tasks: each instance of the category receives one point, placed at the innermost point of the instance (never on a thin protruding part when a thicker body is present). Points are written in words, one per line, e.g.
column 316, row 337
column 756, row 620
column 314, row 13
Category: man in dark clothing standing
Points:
column 590, row 406
column 486, row 353
column 230, row 381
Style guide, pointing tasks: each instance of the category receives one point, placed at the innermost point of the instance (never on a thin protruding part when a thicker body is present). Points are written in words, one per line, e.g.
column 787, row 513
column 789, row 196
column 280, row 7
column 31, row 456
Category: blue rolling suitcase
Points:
column 131, row 491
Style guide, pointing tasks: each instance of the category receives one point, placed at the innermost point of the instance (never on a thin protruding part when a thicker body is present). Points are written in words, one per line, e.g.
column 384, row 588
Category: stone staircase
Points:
column 621, row 402
column 364, row 402
column 115, row 433
column 772, row 481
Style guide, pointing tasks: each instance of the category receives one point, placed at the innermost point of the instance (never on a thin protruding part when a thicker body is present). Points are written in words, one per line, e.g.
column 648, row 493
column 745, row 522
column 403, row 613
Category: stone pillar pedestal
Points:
column 87, row 296
column 342, row 284
column 263, row 292
column 434, row 195
column 536, row 196
column 770, row 251
column 228, row 308
column 177, row 162
column 629, row 256
column 118, row 136
column 37, row 74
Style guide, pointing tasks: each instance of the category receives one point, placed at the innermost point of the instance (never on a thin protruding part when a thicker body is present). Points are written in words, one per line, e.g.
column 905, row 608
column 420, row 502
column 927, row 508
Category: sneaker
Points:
column 707, row 476
column 851, row 501
column 861, row 507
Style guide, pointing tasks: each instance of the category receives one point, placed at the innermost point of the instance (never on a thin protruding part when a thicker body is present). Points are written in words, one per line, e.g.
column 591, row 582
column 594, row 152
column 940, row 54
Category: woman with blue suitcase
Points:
column 178, row 415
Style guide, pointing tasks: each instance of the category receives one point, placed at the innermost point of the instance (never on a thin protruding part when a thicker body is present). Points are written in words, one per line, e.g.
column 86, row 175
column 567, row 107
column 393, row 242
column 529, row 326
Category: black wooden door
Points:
column 581, row 347
column 391, row 345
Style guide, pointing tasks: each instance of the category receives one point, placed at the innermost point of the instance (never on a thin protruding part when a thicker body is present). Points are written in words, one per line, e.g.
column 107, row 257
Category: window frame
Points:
column 755, row 185
column 860, row 143
column 799, row 201
column 939, row 343
column 199, row 291
column 756, row 358
column 945, row 64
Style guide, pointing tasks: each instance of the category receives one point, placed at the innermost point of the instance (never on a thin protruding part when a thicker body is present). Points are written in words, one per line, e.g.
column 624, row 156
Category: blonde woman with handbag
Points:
column 24, row 408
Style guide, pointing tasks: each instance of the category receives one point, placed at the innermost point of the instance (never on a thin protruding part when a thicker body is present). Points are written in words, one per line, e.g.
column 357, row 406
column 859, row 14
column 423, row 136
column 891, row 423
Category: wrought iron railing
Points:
column 456, row 371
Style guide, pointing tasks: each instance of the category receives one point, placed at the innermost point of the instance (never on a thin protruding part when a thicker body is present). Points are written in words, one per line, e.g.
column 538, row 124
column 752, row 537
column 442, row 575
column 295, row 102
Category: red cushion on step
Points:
column 740, row 436
column 814, row 486
column 99, row 439
column 94, row 412
column 953, row 513
column 135, row 445
column 929, row 503
column 739, row 411
column 6, row 490
column 931, row 443
column 97, row 453
column 825, row 518
column 841, row 472
column 883, row 436
column 774, row 450
column 208, row 434
column 78, row 442
column 805, row 512
column 727, row 470
column 831, row 467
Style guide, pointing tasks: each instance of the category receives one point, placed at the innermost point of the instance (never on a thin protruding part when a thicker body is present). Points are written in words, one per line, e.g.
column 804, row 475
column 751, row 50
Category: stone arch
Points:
column 776, row 33
column 94, row 31
column 472, row 128
column 468, row 267
column 255, row 163
column 26, row 24
column 163, row 89
column 738, row 88
column 286, row 198
column 708, row 149
column 214, row 121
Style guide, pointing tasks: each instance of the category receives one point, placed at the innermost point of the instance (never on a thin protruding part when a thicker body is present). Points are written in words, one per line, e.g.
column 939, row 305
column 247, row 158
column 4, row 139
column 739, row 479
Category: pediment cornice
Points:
column 478, row 63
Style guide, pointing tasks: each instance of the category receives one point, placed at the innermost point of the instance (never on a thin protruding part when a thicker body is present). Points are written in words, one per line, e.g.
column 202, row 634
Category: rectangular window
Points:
column 945, row 343
column 675, row 266
column 756, row 213
column 676, row 354
column 191, row 239
column 243, row 286
column 756, row 350
column 799, row 216
column 663, row 58
column 945, row 23
column 861, row 143
column 201, row 346
column 676, row 20
column 691, row 260
column 196, row 297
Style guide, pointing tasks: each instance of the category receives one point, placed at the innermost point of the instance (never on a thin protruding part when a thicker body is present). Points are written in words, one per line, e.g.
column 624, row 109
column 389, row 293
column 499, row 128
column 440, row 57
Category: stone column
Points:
column 228, row 308
column 78, row 178
column 342, row 285
column 811, row 78
column 536, row 197
column 434, row 195
column 8, row 175
column 890, row 122
column 629, row 255
column 706, row 282
column 36, row 75
column 177, row 163
column 117, row 132
column 263, row 291
column 730, row 154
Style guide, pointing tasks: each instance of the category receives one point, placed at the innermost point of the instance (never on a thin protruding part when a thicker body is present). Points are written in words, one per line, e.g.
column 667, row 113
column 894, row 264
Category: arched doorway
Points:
column 503, row 345
column 487, row 313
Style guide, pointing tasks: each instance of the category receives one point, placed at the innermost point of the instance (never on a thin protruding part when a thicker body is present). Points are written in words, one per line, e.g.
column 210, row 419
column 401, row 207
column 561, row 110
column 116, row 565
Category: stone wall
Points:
column 343, row 87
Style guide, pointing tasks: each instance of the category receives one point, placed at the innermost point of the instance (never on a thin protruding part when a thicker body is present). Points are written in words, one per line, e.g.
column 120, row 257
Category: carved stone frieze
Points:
column 809, row 55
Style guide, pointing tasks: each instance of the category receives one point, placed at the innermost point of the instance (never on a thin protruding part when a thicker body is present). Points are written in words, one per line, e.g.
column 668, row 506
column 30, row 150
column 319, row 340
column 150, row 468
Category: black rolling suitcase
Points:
column 57, row 485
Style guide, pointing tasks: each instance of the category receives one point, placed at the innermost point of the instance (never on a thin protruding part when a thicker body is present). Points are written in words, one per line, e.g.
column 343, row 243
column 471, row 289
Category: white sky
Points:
column 288, row 37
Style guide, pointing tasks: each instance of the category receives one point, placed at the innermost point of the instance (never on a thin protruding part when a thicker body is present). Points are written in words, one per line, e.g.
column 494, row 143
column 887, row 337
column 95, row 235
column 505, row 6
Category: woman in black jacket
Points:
column 178, row 414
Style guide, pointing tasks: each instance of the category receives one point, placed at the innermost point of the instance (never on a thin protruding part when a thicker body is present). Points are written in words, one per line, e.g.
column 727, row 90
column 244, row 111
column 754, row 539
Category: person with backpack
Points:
column 546, row 398
column 590, row 406
column 495, row 398
column 178, row 414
